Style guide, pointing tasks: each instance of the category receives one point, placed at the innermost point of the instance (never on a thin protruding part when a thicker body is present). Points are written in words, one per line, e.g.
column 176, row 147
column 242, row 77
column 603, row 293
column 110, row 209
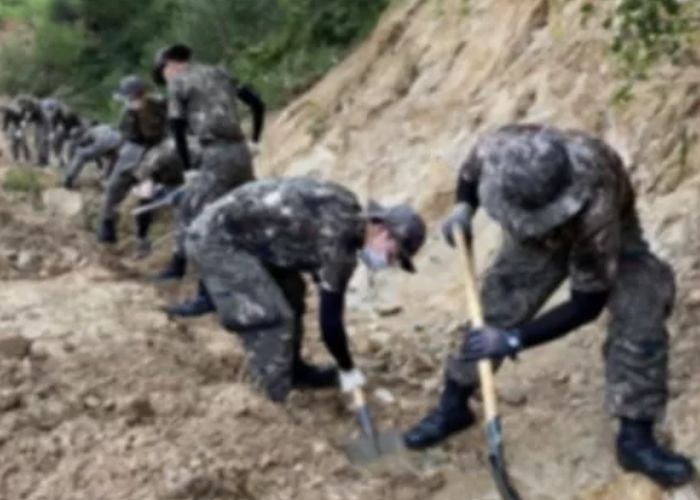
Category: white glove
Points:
column 254, row 148
column 351, row 380
column 145, row 190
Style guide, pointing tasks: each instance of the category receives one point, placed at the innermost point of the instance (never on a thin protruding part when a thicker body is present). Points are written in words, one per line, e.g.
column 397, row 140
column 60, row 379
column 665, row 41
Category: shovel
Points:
column 371, row 446
column 488, row 388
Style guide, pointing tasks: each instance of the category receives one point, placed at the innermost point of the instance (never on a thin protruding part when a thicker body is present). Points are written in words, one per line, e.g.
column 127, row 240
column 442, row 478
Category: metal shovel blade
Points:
column 367, row 449
column 497, row 461
column 371, row 446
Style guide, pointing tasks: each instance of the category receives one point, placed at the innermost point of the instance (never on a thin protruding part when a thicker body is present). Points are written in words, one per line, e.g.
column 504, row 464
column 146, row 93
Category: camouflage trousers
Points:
column 18, row 144
column 42, row 132
column 122, row 179
column 223, row 166
column 57, row 140
column 263, row 305
column 96, row 152
column 524, row 276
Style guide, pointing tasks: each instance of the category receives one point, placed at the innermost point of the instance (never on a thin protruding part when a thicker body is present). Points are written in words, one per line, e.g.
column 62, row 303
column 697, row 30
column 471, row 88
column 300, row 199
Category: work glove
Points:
column 490, row 343
column 145, row 190
column 460, row 219
column 254, row 148
column 351, row 380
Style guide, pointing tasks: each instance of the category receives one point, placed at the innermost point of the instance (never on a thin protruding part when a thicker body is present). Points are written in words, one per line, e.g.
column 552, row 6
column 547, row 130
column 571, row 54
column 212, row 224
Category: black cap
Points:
column 405, row 225
column 130, row 87
column 178, row 52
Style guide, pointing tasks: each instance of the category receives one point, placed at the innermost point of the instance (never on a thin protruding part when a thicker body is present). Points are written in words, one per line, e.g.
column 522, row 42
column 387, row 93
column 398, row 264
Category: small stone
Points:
column 15, row 347
column 386, row 310
column 319, row 447
column 513, row 395
column 9, row 400
column 91, row 401
column 385, row 396
column 25, row 260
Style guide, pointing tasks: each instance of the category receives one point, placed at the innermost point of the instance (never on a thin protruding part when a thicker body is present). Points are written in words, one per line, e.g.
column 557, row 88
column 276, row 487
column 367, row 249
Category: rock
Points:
column 10, row 400
column 384, row 396
column 26, row 260
column 386, row 310
column 513, row 395
column 91, row 401
column 63, row 203
column 15, row 347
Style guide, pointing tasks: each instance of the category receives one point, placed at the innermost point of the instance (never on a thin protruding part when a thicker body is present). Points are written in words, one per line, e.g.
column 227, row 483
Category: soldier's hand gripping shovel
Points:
column 488, row 388
column 371, row 446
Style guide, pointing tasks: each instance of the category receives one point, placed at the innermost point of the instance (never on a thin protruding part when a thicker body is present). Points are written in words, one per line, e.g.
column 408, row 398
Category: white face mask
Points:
column 373, row 259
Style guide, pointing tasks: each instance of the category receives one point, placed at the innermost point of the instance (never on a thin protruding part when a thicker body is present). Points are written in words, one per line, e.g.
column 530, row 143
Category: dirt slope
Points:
column 101, row 396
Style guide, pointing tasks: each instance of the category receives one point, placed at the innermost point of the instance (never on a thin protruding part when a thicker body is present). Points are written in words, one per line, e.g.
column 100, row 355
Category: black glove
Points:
column 460, row 219
column 492, row 343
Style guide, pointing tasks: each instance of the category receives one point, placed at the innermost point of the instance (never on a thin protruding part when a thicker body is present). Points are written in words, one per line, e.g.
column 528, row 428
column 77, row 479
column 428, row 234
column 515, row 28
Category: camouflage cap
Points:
column 177, row 52
column 529, row 183
column 130, row 87
column 405, row 225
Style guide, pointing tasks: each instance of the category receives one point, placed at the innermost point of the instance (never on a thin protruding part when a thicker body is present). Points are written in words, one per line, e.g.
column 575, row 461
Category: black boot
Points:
column 175, row 270
column 306, row 376
column 198, row 306
column 638, row 451
column 143, row 224
column 107, row 233
column 452, row 415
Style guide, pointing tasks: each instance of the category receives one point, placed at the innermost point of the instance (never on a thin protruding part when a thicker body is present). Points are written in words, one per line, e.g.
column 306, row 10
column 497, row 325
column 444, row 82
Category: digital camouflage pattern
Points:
column 206, row 98
column 602, row 248
column 32, row 114
column 251, row 247
column 147, row 125
column 97, row 143
column 15, row 134
column 144, row 130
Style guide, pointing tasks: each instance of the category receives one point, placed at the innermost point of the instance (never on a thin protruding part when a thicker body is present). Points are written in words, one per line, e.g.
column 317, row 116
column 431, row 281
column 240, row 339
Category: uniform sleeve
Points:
column 468, row 181
column 594, row 256
column 336, row 271
column 177, row 99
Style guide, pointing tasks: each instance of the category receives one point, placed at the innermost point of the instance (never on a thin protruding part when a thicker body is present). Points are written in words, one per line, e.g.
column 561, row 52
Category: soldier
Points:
column 143, row 126
column 202, row 99
column 99, row 143
column 567, row 209
column 62, row 120
column 13, row 126
column 251, row 248
column 33, row 114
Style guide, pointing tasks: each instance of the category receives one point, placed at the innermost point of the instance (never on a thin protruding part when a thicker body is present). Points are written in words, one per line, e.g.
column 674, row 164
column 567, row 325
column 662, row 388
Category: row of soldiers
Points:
column 562, row 197
column 55, row 127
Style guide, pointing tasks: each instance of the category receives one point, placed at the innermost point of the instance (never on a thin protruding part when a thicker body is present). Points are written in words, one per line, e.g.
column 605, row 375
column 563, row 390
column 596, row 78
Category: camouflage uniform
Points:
column 600, row 249
column 61, row 122
column 206, row 98
column 143, row 130
column 14, row 129
column 96, row 143
column 251, row 247
column 32, row 113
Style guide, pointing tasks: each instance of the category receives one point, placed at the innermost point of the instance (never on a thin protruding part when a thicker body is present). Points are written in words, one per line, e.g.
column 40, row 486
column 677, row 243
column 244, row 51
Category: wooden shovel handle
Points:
column 476, row 313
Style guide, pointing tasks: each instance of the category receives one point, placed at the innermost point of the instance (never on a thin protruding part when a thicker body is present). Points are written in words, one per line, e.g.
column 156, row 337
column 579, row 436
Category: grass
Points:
column 23, row 180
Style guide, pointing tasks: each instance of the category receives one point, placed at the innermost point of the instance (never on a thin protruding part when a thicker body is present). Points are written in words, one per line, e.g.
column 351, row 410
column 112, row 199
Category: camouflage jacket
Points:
column 147, row 125
column 206, row 97
column 106, row 136
column 595, row 236
column 294, row 223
